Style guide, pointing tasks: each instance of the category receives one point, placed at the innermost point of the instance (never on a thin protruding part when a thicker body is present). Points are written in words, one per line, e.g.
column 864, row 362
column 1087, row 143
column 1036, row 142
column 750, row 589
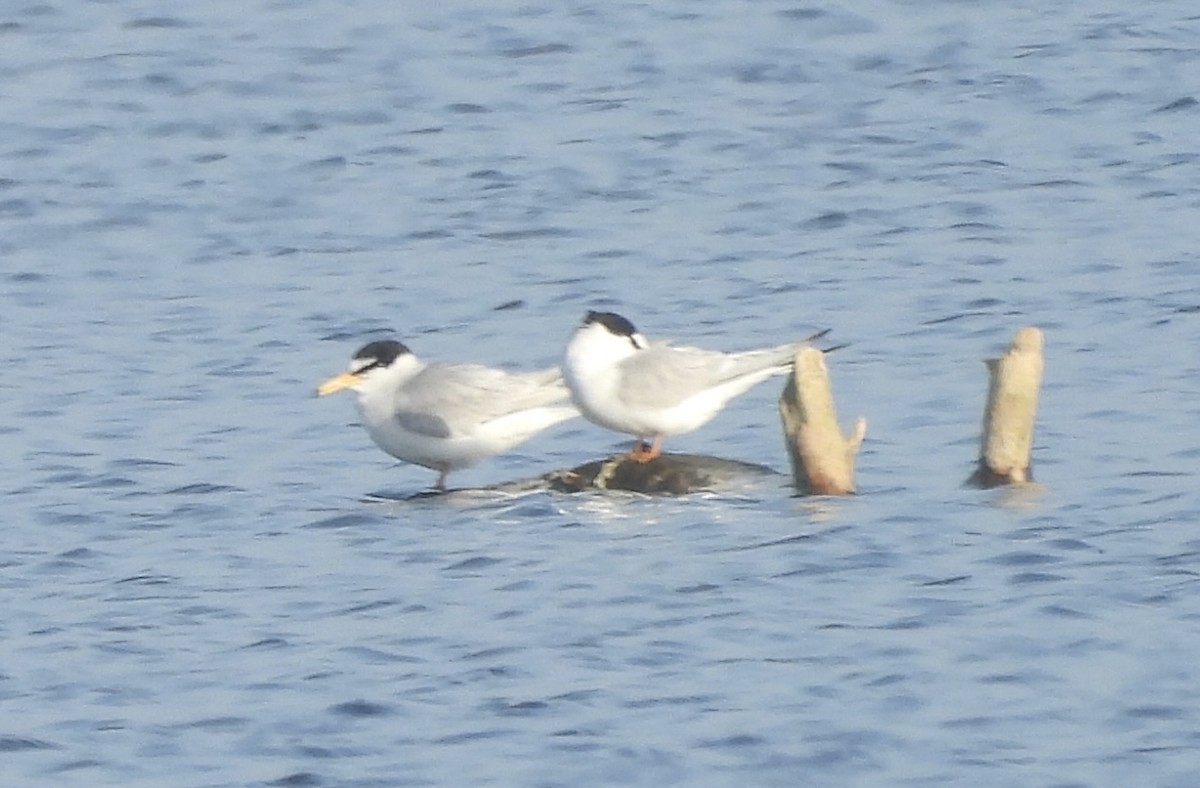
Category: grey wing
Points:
column 448, row 399
column 663, row 376
column 423, row 423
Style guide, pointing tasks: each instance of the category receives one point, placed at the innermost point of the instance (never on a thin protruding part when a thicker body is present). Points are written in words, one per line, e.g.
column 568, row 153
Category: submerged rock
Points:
column 670, row 474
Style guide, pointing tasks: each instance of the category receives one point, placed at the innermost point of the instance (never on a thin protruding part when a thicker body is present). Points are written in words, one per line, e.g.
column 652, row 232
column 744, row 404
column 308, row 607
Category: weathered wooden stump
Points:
column 822, row 459
column 1006, row 444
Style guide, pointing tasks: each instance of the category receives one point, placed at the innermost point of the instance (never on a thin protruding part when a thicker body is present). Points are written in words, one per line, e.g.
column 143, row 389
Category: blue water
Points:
column 205, row 210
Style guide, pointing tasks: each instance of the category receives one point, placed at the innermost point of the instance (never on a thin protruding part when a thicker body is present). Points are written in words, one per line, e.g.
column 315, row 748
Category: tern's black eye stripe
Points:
column 376, row 364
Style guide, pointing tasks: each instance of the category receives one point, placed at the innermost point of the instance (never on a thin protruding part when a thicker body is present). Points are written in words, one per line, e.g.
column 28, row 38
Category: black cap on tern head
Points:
column 381, row 353
column 613, row 322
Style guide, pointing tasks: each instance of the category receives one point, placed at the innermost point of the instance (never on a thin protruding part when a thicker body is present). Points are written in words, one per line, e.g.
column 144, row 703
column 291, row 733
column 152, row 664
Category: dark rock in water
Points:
column 670, row 474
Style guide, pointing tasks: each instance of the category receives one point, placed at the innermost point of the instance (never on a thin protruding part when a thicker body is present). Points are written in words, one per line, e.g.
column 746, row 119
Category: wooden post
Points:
column 822, row 460
column 1006, row 445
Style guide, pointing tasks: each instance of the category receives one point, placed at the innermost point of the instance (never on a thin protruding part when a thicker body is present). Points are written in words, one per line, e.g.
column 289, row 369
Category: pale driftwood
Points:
column 673, row 474
column 1006, row 446
column 822, row 460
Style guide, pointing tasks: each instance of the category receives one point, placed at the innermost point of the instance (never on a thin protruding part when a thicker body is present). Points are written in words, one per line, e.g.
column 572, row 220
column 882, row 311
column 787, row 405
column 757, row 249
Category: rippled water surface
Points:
column 205, row 209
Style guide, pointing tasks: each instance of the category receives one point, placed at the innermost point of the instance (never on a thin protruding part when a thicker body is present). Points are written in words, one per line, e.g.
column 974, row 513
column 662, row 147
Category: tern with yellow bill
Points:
column 447, row 416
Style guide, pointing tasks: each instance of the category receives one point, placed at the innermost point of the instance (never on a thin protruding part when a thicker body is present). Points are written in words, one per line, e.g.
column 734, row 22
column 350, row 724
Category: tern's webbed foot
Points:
column 643, row 452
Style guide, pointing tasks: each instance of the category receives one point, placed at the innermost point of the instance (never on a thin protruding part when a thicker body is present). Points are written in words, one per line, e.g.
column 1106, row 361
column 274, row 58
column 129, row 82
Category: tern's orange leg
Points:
column 643, row 453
